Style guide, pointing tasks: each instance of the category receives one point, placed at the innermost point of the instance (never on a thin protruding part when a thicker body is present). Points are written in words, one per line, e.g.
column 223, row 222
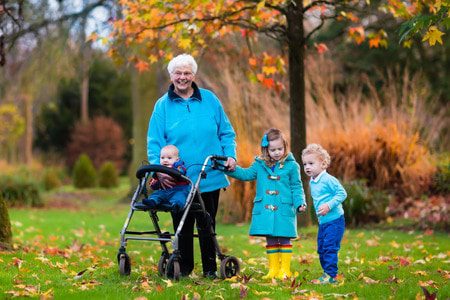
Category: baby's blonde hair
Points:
column 319, row 151
column 171, row 148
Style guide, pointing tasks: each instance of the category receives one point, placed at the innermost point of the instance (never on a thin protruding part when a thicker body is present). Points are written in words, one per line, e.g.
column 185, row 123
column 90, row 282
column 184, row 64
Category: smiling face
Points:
column 313, row 165
column 276, row 149
column 182, row 78
column 168, row 156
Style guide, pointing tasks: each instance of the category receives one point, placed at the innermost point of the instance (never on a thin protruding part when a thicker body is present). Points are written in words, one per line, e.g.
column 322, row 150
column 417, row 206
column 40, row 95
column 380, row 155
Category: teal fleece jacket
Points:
column 198, row 126
column 279, row 193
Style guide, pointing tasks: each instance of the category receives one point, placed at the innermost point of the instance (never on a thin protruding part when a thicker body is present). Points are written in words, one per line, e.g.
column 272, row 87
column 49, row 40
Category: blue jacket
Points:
column 279, row 193
column 198, row 126
column 327, row 189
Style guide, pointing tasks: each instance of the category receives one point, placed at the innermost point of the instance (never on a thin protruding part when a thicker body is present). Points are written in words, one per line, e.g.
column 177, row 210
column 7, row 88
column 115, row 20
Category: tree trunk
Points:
column 5, row 226
column 28, row 103
column 296, row 44
column 84, row 90
column 144, row 93
column 84, row 72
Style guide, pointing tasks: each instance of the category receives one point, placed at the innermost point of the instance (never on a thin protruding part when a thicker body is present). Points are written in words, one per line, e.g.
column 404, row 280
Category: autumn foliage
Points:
column 384, row 144
column 101, row 139
column 383, row 135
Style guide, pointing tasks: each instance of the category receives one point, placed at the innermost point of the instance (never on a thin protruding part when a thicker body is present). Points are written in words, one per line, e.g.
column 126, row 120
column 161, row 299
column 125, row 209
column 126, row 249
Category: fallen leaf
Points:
column 79, row 274
column 394, row 244
column 369, row 280
column 17, row 262
column 246, row 278
column 372, row 243
column 420, row 273
column 168, row 282
column 243, row 291
column 394, row 279
column 428, row 283
column 428, row 295
column 404, row 261
column 419, row 261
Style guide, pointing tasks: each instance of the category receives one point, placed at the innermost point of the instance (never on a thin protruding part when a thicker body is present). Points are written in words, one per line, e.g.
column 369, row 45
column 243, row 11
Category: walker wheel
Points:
column 162, row 264
column 173, row 268
column 124, row 264
column 229, row 267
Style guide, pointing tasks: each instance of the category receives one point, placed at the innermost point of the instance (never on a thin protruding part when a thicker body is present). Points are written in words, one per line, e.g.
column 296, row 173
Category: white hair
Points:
column 182, row 60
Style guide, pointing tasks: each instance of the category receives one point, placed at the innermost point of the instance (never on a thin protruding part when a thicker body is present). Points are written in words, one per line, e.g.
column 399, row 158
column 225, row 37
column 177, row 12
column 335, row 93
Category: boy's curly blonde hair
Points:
column 319, row 151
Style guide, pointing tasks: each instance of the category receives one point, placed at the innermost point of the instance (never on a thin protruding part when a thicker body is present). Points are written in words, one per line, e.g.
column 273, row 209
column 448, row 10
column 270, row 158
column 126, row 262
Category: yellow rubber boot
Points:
column 274, row 261
column 286, row 256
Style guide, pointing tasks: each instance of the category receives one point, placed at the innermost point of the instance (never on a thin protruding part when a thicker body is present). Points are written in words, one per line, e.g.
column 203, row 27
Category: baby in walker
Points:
column 174, row 197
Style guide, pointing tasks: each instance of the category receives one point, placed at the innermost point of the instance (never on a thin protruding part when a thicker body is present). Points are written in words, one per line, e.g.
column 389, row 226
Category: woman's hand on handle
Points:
column 230, row 164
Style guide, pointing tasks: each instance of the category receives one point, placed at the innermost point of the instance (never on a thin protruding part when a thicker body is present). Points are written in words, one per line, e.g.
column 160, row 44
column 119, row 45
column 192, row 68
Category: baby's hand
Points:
column 301, row 208
column 323, row 209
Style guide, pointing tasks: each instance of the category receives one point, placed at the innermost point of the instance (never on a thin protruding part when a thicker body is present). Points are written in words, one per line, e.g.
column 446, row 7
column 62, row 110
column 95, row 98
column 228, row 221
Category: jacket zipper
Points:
column 189, row 110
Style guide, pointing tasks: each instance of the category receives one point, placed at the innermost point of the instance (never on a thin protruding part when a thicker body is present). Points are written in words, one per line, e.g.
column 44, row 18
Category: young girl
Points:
column 327, row 194
column 279, row 195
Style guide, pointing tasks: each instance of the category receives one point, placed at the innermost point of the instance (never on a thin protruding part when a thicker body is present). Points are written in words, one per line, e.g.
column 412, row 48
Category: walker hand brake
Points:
column 216, row 165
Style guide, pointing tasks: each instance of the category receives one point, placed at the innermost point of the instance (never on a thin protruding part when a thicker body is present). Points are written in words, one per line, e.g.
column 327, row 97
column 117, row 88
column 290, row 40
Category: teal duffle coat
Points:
column 279, row 193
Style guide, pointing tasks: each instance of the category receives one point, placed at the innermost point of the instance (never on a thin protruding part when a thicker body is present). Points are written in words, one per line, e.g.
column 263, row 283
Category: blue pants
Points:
column 175, row 198
column 328, row 244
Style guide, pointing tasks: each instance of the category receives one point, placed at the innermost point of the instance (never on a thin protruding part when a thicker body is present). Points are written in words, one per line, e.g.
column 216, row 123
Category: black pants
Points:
column 186, row 237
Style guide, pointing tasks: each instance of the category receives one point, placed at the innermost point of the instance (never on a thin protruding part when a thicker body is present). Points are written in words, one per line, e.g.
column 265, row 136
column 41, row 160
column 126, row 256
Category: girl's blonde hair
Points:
column 273, row 134
column 319, row 151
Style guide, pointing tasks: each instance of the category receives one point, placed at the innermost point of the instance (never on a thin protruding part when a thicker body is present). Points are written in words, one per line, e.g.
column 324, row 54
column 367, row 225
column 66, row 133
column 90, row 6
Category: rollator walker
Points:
column 169, row 263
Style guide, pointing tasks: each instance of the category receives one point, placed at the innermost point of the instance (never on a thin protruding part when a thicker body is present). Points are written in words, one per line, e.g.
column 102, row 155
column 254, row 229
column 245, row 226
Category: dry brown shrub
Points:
column 101, row 139
column 382, row 136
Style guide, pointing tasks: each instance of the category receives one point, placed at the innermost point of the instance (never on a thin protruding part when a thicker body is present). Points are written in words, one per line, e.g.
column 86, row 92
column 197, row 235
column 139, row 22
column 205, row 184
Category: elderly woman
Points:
column 193, row 119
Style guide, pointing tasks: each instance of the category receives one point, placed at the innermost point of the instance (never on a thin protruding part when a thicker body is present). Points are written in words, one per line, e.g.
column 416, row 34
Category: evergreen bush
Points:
column 84, row 174
column 51, row 179
column 20, row 191
column 108, row 175
column 5, row 226
column 364, row 204
column 441, row 180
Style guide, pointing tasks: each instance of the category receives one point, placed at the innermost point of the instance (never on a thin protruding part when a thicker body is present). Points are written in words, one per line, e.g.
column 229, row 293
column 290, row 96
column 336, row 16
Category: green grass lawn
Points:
column 69, row 252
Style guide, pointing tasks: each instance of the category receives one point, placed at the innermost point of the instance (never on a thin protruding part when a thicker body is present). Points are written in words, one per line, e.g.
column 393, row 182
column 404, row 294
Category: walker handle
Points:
column 140, row 173
column 216, row 165
column 219, row 157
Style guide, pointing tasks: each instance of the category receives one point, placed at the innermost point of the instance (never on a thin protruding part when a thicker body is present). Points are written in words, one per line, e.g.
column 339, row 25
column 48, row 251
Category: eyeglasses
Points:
column 186, row 74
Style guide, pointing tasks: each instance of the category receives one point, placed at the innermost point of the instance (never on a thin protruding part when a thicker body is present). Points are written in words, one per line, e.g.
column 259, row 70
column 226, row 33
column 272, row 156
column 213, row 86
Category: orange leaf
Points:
column 268, row 82
column 374, row 42
column 92, row 38
column 260, row 77
column 141, row 66
column 357, row 33
column 321, row 48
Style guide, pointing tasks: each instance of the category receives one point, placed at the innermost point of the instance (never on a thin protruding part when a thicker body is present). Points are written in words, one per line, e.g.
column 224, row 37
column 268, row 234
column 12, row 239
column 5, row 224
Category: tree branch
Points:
column 322, row 22
column 317, row 3
column 73, row 16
